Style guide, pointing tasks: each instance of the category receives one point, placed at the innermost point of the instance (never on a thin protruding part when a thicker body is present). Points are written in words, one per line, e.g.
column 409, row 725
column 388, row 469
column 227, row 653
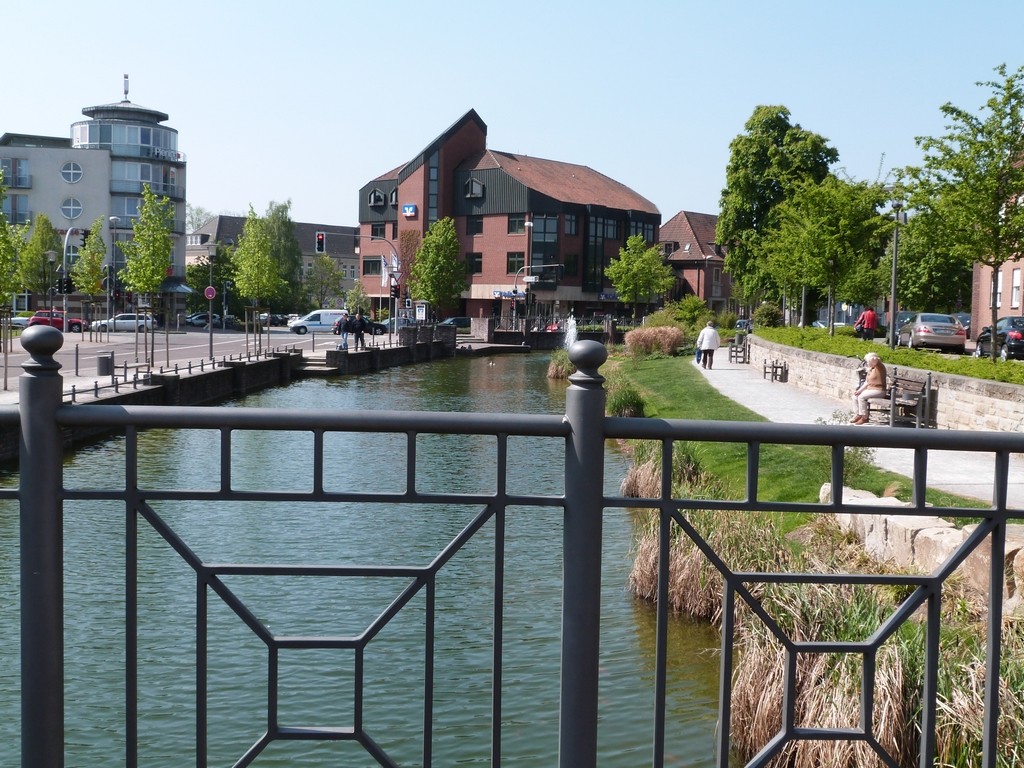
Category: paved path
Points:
column 962, row 472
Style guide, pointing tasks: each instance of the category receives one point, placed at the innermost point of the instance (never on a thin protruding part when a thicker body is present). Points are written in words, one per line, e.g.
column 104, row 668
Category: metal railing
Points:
column 42, row 417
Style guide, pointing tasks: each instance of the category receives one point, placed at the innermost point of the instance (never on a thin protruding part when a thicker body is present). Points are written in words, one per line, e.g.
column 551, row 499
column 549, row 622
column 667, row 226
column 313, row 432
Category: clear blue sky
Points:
column 307, row 101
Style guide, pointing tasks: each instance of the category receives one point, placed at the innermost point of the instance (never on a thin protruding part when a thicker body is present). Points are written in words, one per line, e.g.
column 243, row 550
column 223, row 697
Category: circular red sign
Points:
column 210, row 293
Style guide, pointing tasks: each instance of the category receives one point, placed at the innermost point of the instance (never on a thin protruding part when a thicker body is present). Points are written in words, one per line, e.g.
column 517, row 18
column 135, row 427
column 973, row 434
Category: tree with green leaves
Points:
column 767, row 164
column 639, row 274
column 356, row 300
column 35, row 271
column 256, row 270
column 198, row 276
column 438, row 275
column 286, row 252
column 324, row 282
column 972, row 180
column 148, row 252
column 87, row 271
column 12, row 241
column 928, row 277
column 830, row 236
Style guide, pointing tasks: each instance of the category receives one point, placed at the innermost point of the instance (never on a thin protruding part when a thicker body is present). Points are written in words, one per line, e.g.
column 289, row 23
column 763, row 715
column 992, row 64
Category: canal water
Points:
column 317, row 686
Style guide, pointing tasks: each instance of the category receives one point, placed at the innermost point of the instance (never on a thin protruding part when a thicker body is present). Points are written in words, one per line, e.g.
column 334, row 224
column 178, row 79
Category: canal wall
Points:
column 195, row 385
column 963, row 402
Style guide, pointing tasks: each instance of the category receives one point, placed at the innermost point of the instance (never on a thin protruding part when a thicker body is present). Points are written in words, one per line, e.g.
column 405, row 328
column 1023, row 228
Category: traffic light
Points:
column 67, row 285
column 321, row 242
column 85, row 236
column 396, row 291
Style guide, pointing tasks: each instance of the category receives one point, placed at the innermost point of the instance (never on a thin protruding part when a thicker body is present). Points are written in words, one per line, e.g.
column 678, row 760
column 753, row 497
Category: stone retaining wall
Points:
column 924, row 543
column 963, row 402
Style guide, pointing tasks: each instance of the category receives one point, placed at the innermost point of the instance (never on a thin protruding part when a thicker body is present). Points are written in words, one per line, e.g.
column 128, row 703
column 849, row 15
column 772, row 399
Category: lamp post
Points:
column 114, row 221
column 64, row 268
column 51, row 257
column 897, row 208
column 211, row 293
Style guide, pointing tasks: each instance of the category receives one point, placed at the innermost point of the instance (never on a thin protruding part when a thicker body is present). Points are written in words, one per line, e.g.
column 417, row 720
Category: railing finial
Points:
column 42, row 342
column 587, row 355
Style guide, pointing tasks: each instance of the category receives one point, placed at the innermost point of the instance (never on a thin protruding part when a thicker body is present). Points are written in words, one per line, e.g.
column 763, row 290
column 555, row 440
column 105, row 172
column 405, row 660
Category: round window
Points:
column 71, row 172
column 71, row 208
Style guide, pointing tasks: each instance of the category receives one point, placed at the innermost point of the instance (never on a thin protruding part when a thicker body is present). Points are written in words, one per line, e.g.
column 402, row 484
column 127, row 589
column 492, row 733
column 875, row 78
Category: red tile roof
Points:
column 566, row 182
column 697, row 229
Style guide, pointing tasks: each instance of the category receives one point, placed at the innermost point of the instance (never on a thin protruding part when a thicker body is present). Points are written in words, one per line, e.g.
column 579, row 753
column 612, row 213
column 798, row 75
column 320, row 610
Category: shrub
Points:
column 768, row 315
column 560, row 367
column 623, row 399
column 663, row 340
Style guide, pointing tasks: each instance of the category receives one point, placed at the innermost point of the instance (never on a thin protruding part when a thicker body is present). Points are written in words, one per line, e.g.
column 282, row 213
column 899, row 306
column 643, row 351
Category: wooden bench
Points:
column 909, row 401
column 739, row 349
column 779, row 371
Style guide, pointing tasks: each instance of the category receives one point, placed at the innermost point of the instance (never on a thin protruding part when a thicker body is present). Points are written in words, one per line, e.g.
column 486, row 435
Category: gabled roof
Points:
column 694, row 229
column 566, row 182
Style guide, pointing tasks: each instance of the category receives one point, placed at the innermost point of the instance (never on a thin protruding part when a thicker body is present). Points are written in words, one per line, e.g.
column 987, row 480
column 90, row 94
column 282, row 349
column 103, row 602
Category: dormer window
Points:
column 394, row 196
column 474, row 188
column 375, row 198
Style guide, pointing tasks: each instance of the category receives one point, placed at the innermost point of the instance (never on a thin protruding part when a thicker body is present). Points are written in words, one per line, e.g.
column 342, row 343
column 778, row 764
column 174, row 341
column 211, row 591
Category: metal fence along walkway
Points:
column 584, row 428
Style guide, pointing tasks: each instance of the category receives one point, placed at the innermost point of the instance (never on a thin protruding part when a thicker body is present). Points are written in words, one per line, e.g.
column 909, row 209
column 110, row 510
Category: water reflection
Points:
column 317, row 687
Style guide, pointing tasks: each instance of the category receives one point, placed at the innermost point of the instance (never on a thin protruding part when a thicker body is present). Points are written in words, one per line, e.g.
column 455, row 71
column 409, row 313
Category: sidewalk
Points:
column 961, row 472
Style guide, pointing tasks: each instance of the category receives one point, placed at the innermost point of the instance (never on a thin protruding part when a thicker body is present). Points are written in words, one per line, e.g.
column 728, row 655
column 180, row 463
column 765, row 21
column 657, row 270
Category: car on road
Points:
column 20, row 321
column 931, row 329
column 458, row 322
column 199, row 320
column 1009, row 339
column 744, row 325
column 55, row 318
column 965, row 321
column 126, row 321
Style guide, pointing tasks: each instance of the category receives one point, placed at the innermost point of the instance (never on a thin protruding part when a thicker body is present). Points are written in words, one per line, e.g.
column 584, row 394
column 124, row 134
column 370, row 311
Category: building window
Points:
column 394, row 230
column 71, row 172
column 375, row 198
column 516, row 223
column 474, row 225
column 15, row 208
column 16, row 175
column 571, row 265
column 377, row 229
column 433, row 187
column 999, row 289
column 474, row 188
column 516, row 260
column 1015, row 289
column 642, row 228
column 394, row 197
column 571, row 224
column 475, row 263
column 372, row 265
column 611, row 229
column 71, row 208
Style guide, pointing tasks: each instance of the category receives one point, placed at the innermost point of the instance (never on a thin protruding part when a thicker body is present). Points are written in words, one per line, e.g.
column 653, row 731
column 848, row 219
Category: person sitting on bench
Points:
column 873, row 386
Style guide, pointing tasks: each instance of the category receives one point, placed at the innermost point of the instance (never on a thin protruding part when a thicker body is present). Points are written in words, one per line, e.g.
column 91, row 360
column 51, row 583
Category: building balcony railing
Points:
column 124, row 186
column 44, row 493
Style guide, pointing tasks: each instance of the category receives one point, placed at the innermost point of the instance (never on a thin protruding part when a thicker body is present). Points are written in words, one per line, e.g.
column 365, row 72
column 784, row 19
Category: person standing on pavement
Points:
column 707, row 342
column 359, row 327
column 867, row 324
column 873, row 386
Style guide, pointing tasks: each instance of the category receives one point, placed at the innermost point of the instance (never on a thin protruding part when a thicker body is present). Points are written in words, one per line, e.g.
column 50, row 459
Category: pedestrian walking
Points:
column 708, row 341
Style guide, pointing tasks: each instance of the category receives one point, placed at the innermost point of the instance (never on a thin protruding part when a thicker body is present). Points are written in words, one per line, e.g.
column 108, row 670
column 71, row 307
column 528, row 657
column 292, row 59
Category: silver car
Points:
column 930, row 329
column 126, row 321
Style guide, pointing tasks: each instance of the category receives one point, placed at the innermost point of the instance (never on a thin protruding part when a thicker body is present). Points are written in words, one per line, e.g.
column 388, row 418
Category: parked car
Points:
column 931, row 329
column 126, row 321
column 55, row 318
column 965, row 321
column 199, row 320
column 317, row 321
column 1009, row 339
column 745, row 325
column 273, row 318
column 458, row 322
column 20, row 321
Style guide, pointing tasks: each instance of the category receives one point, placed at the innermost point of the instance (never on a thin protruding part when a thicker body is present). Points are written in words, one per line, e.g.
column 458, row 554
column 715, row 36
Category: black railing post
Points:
column 42, row 552
column 581, row 546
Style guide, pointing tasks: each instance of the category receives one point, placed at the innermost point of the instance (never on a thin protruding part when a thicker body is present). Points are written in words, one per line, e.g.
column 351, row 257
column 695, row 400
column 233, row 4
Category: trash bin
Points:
column 105, row 363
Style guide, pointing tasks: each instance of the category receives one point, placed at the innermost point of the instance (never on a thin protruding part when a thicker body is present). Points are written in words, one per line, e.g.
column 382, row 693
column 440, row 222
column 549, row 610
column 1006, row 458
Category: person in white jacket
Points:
column 708, row 341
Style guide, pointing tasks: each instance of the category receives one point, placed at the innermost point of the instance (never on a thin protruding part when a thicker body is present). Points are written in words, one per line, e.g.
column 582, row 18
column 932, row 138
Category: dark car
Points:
column 965, row 321
column 931, row 329
column 458, row 322
column 1009, row 339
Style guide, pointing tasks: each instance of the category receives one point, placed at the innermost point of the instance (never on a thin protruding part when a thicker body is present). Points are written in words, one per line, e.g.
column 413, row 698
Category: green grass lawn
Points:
column 673, row 389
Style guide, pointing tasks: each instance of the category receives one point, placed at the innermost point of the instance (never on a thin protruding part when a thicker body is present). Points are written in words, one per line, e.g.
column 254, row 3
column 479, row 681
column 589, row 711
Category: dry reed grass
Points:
column 664, row 339
column 828, row 685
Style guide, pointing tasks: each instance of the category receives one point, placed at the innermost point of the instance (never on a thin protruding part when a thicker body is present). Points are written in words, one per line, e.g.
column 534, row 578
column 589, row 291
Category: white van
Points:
column 317, row 321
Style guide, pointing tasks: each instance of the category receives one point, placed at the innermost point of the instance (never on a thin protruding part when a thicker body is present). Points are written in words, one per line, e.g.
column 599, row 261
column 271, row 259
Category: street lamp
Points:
column 114, row 222
column 211, row 292
column 51, row 256
column 64, row 267
column 897, row 207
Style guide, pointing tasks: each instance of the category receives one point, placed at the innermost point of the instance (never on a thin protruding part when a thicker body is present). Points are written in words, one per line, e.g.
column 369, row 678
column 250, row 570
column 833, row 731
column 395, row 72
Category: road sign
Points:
column 210, row 293
column 531, row 278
